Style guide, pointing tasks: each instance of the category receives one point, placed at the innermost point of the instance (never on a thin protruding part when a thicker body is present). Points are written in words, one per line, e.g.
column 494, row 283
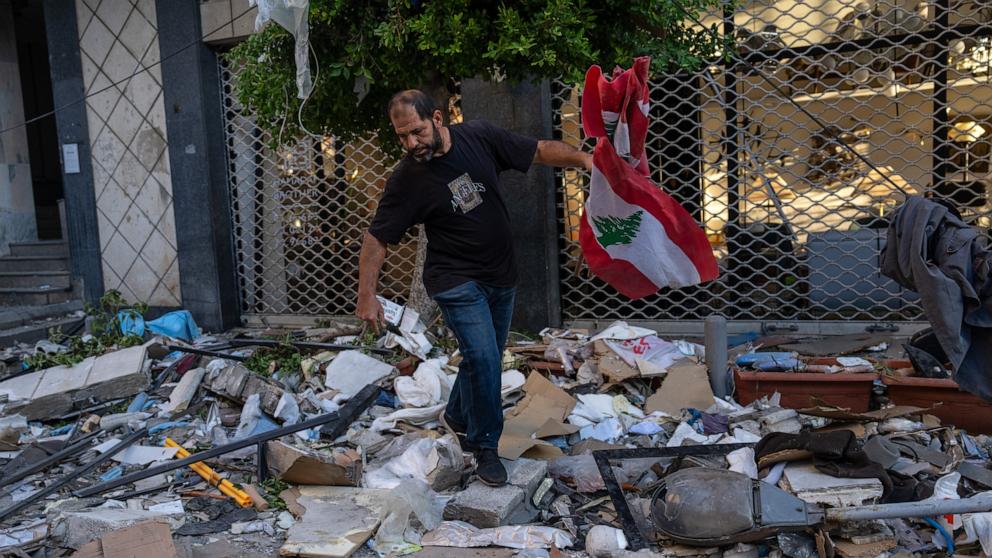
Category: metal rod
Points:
column 975, row 504
column 347, row 413
column 69, row 451
column 203, row 352
column 306, row 345
column 66, row 479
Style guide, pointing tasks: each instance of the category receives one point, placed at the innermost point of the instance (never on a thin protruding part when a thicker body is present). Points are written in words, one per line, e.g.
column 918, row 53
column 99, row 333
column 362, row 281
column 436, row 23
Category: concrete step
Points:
column 26, row 296
column 15, row 316
column 37, row 279
column 56, row 248
column 34, row 263
column 36, row 331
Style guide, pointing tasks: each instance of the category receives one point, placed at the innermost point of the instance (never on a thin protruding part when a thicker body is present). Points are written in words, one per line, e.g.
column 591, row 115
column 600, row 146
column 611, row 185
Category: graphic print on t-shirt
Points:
column 465, row 194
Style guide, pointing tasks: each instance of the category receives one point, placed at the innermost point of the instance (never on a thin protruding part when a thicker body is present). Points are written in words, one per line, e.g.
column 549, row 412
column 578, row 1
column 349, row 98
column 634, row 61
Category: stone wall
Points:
column 127, row 130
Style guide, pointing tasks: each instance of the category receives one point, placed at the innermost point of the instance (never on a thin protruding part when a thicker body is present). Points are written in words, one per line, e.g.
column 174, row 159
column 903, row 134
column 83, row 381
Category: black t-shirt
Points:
column 457, row 197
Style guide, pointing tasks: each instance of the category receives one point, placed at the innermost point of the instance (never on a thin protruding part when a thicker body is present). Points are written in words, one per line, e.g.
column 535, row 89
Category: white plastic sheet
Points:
column 428, row 386
column 621, row 331
column 742, row 461
column 414, row 415
column 409, row 500
column 651, row 348
column 978, row 526
column 291, row 15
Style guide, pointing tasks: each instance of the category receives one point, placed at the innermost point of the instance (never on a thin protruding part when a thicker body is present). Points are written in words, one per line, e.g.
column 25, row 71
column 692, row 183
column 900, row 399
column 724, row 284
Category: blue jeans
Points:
column 479, row 316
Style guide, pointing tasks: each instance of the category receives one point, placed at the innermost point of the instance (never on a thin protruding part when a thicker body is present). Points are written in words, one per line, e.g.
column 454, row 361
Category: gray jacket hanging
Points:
column 947, row 262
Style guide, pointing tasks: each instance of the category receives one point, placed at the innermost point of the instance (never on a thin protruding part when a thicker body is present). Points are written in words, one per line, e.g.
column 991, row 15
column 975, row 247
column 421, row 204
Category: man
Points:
column 449, row 180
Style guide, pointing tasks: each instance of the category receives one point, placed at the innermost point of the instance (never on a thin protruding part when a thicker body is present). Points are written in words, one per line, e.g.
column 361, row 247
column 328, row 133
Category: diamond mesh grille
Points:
column 797, row 221
column 298, row 215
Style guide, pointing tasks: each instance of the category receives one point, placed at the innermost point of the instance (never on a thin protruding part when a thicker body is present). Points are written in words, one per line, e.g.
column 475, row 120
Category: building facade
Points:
column 790, row 154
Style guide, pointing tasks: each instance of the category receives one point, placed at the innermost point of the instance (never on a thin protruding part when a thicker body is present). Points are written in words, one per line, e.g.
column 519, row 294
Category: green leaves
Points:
column 399, row 44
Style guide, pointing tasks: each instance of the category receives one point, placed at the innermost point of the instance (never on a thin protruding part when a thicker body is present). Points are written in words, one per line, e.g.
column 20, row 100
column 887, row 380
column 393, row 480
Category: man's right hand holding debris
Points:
column 369, row 308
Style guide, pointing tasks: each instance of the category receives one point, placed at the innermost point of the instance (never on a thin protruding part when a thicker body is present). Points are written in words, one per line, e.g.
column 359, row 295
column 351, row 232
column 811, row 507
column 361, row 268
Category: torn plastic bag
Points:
column 621, row 331
column 435, row 462
column 428, row 386
column 651, row 348
column 414, row 415
column 978, row 526
column 292, row 16
column 178, row 324
column 742, row 461
column 253, row 420
column 461, row 534
column 946, row 488
column 581, row 470
column 412, row 502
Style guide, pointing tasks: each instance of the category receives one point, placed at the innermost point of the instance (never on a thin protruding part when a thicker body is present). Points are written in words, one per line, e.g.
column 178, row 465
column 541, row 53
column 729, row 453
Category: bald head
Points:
column 416, row 99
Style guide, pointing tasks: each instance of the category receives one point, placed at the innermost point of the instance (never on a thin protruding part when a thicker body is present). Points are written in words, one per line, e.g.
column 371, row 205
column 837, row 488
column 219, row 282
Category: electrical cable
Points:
column 786, row 96
column 122, row 80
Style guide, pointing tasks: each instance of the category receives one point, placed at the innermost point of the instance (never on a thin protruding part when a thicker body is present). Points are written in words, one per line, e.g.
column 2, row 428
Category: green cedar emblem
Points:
column 617, row 230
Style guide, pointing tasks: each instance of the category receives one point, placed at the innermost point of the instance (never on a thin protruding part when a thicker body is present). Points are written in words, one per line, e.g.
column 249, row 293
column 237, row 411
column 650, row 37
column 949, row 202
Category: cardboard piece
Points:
column 337, row 467
column 542, row 402
column 615, row 369
column 848, row 549
column 687, row 384
column 151, row 539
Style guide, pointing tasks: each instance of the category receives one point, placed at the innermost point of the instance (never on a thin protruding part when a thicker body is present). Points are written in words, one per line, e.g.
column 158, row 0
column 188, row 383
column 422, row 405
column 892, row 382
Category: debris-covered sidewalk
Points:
column 150, row 438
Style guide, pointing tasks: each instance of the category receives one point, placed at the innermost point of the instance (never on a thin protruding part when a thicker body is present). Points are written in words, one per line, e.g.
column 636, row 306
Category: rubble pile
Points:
column 326, row 442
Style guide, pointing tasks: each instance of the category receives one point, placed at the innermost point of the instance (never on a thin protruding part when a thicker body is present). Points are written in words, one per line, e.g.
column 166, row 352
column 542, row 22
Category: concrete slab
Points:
column 62, row 379
column 485, row 506
column 338, row 521
column 526, row 473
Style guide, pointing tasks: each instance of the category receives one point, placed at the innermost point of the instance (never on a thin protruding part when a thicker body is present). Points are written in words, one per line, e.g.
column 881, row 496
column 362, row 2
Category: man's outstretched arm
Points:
column 559, row 154
column 369, row 265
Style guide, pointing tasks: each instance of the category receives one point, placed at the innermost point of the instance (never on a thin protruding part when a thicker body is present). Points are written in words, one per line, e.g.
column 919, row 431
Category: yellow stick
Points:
column 213, row 478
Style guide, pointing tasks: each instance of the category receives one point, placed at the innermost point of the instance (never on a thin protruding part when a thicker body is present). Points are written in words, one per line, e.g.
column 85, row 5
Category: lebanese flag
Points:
column 634, row 236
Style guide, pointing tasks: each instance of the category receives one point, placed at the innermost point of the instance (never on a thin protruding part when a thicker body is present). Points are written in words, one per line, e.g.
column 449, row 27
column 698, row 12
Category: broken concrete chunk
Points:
column 336, row 467
column 337, row 521
column 238, row 383
column 350, row 371
column 485, row 506
column 55, row 391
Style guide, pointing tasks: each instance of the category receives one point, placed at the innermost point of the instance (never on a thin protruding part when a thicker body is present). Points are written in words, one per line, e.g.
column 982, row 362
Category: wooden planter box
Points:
column 804, row 390
column 958, row 408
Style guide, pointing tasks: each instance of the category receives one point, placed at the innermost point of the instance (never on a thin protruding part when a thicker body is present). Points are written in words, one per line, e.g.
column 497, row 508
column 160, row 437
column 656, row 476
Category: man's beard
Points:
column 435, row 145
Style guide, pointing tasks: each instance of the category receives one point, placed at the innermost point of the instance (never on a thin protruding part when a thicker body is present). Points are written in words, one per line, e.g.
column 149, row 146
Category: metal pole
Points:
column 348, row 412
column 715, row 328
column 63, row 453
column 66, row 479
column 975, row 504
column 306, row 345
